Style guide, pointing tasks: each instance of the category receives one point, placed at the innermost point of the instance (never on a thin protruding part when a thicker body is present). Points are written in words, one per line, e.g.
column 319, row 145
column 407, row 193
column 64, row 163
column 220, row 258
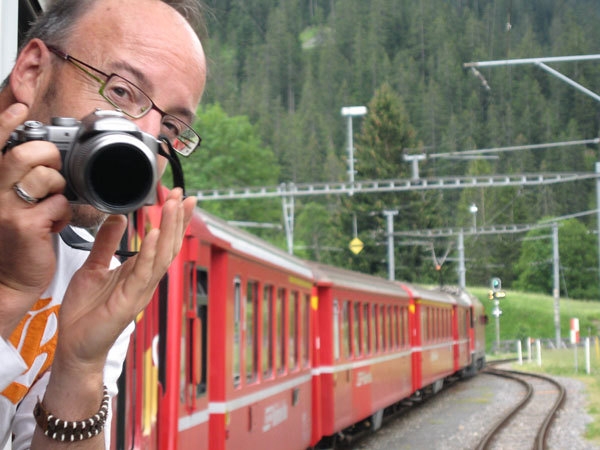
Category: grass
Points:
column 532, row 315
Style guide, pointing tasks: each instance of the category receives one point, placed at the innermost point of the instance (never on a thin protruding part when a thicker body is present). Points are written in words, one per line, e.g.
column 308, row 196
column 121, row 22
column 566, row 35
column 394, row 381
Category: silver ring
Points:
column 24, row 195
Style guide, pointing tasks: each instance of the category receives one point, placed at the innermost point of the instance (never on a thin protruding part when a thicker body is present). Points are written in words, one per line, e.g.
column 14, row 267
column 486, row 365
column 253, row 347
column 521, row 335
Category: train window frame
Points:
column 356, row 335
column 292, row 342
column 201, row 334
column 267, row 356
column 395, row 320
column 346, row 336
column 281, row 333
column 390, row 327
column 237, row 333
column 365, row 332
column 336, row 331
column 306, row 331
column 424, row 324
column 383, row 330
column 373, row 328
column 251, row 347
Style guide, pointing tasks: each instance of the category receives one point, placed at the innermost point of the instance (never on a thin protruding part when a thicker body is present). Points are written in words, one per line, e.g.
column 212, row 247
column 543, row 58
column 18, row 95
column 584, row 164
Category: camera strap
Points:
column 176, row 169
column 74, row 240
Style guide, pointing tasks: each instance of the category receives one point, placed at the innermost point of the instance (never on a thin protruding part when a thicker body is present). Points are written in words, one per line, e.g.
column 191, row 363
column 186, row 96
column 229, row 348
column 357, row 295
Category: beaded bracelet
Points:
column 66, row 431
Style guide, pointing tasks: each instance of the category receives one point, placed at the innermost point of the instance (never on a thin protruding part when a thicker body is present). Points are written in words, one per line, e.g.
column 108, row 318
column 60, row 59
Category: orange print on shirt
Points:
column 27, row 339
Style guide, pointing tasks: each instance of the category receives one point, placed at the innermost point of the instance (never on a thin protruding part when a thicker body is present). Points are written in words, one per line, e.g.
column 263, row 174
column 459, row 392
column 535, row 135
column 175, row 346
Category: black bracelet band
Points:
column 71, row 431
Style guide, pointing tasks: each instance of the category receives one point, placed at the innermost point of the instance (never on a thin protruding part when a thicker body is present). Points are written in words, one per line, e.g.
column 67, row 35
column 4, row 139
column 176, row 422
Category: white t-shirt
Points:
column 26, row 358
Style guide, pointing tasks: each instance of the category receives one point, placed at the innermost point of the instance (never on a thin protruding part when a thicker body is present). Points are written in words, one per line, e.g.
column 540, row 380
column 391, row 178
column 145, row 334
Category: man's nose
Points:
column 151, row 123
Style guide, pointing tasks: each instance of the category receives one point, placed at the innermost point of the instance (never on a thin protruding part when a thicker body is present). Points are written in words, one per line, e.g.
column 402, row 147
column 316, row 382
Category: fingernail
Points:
column 17, row 109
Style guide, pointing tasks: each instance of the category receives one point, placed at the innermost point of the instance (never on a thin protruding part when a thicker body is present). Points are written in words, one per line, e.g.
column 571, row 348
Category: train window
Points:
column 237, row 338
column 267, row 331
column 356, row 328
column 401, row 325
column 336, row 330
column 201, row 338
column 444, row 324
column 406, row 327
column 396, row 330
column 373, row 328
column 391, row 327
column 291, row 319
column 424, row 328
column 293, row 331
column 468, row 320
column 280, row 330
column 441, row 324
column 366, row 336
column 382, row 327
column 306, row 331
column 251, row 331
column 346, row 343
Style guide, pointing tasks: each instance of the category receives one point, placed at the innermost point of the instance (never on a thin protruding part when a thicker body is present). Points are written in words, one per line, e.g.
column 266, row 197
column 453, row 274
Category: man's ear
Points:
column 31, row 70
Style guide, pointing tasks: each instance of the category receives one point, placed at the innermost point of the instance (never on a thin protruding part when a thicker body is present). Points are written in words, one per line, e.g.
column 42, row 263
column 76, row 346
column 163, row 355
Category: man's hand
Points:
column 99, row 303
column 27, row 260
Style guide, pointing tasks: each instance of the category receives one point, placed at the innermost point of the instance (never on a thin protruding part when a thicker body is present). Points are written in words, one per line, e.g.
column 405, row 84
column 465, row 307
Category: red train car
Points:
column 245, row 346
column 365, row 357
column 440, row 337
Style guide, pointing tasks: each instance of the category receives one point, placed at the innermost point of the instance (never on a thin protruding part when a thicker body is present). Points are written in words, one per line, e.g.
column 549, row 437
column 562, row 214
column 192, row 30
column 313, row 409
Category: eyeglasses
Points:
column 134, row 103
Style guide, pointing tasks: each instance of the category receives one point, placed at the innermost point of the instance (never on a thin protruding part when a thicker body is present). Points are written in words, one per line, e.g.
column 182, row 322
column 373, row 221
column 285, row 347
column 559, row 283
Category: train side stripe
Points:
column 383, row 358
column 195, row 419
column 199, row 417
column 223, row 407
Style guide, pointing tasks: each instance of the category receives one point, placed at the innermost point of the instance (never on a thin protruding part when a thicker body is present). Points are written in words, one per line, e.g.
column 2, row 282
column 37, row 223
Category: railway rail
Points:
column 530, row 419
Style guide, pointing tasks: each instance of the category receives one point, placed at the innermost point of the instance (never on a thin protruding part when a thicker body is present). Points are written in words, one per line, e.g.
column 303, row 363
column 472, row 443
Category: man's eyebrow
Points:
column 140, row 78
column 142, row 81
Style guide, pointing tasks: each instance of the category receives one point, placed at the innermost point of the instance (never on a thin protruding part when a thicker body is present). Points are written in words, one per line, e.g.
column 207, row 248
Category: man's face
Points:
column 144, row 41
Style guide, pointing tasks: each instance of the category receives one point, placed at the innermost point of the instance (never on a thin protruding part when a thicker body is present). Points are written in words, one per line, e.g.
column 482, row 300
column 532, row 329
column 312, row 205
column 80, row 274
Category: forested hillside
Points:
column 281, row 70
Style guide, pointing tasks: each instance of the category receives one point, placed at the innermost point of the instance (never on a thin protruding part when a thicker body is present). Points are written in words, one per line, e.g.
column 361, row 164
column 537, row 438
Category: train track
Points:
column 530, row 419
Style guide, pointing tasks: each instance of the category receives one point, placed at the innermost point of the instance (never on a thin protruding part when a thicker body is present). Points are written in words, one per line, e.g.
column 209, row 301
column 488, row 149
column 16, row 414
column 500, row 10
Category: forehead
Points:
column 148, row 37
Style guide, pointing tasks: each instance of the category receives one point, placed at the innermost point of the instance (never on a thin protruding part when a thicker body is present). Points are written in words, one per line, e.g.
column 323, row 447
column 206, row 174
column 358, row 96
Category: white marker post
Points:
column 574, row 334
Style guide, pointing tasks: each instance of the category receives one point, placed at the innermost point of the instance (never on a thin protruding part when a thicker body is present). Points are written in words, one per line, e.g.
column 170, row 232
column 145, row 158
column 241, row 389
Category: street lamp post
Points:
column 350, row 112
column 473, row 210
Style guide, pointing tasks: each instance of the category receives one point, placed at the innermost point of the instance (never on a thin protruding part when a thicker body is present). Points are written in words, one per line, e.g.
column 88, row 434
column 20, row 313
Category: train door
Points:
column 193, row 379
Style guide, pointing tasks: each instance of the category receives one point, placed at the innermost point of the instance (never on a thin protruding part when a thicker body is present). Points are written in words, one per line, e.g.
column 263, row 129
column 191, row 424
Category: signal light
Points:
column 496, row 284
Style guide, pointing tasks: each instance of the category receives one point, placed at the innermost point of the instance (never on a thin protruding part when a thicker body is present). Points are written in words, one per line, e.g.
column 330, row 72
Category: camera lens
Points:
column 114, row 172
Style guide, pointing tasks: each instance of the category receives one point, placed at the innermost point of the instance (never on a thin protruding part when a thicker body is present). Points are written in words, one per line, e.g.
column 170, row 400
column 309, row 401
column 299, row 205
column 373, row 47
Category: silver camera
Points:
column 107, row 160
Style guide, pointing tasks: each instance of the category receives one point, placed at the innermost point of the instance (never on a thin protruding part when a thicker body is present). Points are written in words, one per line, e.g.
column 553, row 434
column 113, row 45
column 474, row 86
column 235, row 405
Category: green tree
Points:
column 385, row 133
column 578, row 261
column 232, row 155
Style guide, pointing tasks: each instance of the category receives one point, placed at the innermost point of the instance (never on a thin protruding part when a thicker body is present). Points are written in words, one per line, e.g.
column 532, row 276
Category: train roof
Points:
column 355, row 280
column 250, row 245
column 429, row 294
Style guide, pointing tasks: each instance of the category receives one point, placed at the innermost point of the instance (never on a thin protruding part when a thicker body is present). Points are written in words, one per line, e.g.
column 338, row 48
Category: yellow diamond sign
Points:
column 356, row 246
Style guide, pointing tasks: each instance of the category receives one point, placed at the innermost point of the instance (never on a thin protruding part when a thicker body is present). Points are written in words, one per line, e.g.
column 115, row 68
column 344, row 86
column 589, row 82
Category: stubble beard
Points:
column 86, row 216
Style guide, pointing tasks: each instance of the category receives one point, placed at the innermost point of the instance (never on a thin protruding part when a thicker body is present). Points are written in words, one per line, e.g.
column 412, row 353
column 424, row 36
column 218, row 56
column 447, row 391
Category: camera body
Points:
column 107, row 161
